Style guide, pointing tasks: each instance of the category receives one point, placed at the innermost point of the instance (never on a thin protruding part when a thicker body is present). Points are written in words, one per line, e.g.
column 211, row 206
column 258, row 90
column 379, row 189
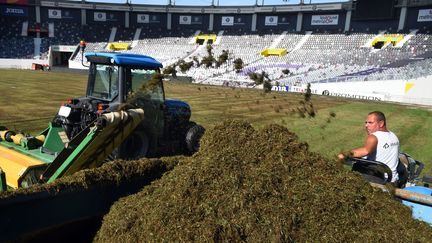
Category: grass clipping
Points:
column 109, row 175
column 259, row 186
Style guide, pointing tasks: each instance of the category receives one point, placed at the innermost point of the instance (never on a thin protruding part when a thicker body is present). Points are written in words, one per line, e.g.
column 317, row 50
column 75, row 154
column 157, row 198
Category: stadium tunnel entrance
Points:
column 59, row 55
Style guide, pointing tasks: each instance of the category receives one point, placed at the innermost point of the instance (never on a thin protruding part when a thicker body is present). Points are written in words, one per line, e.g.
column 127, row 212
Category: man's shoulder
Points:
column 378, row 133
column 394, row 136
column 385, row 135
column 383, row 132
column 371, row 138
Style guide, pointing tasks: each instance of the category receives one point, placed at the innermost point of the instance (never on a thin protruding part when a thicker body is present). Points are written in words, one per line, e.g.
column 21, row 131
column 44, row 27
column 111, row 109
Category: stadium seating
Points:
column 168, row 47
column 12, row 43
column 321, row 56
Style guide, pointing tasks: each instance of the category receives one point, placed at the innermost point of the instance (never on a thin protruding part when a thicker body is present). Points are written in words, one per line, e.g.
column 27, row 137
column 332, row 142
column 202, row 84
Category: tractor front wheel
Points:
column 193, row 137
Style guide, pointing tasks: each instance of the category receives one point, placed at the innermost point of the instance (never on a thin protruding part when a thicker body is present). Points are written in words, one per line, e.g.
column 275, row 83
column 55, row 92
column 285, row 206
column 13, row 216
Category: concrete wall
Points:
column 415, row 91
column 20, row 63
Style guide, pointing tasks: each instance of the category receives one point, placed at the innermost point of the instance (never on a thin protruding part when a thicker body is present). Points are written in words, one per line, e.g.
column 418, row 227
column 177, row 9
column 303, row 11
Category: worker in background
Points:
column 381, row 144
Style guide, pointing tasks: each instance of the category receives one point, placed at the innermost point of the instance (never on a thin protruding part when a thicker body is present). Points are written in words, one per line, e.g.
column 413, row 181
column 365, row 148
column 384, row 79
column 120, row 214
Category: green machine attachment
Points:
column 26, row 160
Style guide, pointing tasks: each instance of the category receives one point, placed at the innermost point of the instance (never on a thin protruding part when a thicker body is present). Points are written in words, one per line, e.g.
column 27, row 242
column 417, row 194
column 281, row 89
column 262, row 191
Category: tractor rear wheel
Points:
column 193, row 137
column 136, row 146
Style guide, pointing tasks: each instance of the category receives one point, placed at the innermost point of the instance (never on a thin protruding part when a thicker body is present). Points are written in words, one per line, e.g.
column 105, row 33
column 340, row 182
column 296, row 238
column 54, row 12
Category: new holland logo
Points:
column 386, row 146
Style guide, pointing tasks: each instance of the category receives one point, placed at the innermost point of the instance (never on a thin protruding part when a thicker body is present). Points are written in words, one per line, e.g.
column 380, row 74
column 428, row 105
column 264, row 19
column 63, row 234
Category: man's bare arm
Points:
column 368, row 148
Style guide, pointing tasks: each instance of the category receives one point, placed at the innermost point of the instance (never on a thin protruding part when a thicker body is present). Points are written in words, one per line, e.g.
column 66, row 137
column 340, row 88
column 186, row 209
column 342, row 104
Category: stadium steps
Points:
column 188, row 56
column 197, row 50
column 24, row 28
column 219, row 37
column 136, row 37
column 386, row 45
column 278, row 40
column 228, row 70
column 192, row 40
column 406, row 38
column 113, row 34
column 302, row 41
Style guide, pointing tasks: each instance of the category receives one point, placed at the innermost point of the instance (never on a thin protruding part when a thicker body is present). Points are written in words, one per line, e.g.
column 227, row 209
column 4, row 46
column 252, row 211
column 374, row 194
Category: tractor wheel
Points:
column 135, row 146
column 193, row 137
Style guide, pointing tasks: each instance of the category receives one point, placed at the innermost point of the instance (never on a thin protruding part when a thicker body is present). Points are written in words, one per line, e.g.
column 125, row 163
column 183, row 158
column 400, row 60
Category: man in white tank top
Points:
column 381, row 144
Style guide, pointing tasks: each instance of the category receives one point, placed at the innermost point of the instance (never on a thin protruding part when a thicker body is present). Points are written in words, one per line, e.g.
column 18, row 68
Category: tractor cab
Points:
column 118, row 81
column 113, row 77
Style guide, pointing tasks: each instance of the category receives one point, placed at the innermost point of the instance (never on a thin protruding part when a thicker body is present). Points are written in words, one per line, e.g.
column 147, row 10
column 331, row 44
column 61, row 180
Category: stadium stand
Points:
column 166, row 46
column 97, row 32
column 64, row 33
column 12, row 43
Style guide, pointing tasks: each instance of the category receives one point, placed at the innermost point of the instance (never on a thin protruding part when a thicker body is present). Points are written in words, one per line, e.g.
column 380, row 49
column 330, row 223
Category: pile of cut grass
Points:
column 260, row 186
column 109, row 175
column 91, row 189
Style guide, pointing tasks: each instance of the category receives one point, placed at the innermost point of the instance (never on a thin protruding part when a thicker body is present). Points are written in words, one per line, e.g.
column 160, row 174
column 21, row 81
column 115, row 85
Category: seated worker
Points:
column 381, row 144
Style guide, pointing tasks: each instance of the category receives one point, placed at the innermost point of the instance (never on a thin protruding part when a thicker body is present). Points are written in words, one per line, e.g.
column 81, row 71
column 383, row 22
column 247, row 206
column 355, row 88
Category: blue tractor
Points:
column 119, row 81
column 124, row 115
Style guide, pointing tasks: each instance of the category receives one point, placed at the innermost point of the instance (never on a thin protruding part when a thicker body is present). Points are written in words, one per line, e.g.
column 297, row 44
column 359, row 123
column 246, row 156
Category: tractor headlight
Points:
column 64, row 111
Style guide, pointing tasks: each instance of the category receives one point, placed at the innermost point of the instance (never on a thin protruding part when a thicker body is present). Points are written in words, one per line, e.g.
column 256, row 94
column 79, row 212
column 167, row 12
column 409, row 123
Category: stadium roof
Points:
column 216, row 2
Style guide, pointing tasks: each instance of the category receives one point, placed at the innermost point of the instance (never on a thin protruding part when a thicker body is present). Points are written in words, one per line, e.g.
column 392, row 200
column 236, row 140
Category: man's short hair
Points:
column 379, row 115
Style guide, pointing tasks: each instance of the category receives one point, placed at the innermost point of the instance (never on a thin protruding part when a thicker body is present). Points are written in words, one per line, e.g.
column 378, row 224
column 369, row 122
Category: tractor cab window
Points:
column 105, row 82
column 147, row 84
